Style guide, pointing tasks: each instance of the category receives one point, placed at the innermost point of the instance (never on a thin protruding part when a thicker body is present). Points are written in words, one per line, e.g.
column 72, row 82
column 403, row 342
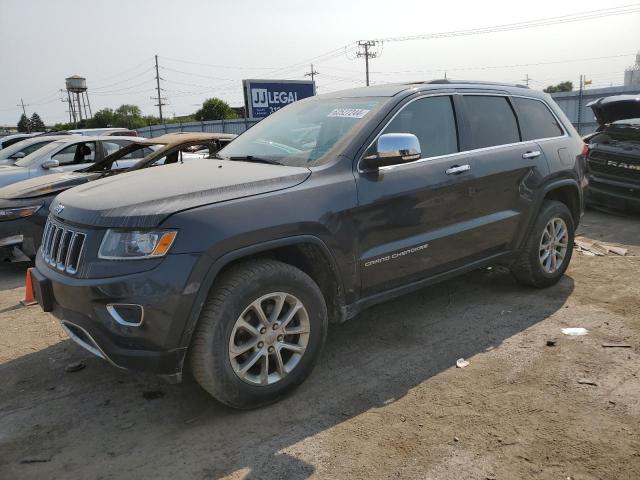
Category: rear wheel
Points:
column 547, row 252
column 259, row 334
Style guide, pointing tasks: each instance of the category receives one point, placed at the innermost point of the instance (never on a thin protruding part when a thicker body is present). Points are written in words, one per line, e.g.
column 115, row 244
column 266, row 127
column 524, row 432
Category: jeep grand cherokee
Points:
column 235, row 266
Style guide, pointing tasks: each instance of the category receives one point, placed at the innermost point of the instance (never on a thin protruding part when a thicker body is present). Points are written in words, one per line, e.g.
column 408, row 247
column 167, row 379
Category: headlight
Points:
column 19, row 212
column 134, row 244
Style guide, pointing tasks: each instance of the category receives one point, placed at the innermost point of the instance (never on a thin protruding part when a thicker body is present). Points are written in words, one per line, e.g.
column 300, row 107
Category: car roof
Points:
column 41, row 138
column 393, row 89
column 89, row 138
column 173, row 139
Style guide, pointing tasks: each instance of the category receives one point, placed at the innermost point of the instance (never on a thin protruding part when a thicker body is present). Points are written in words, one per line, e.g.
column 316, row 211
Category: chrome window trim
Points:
column 463, row 152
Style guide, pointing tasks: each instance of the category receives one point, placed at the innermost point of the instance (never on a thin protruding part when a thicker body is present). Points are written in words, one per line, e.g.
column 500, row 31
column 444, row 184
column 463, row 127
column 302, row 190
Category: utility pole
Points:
column 367, row 54
column 527, row 79
column 312, row 73
column 24, row 111
column 579, row 122
column 159, row 98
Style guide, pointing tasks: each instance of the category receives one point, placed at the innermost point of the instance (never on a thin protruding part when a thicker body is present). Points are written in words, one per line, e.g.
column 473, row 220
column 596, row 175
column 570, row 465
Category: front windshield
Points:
column 32, row 157
column 303, row 132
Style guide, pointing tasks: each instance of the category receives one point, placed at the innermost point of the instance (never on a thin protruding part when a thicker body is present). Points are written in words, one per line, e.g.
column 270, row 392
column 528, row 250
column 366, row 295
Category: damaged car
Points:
column 24, row 206
column 232, row 268
column 613, row 160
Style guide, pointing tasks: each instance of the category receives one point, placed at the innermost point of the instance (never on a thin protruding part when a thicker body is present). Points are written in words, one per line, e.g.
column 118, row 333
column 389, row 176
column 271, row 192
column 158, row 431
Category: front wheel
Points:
column 260, row 333
column 547, row 252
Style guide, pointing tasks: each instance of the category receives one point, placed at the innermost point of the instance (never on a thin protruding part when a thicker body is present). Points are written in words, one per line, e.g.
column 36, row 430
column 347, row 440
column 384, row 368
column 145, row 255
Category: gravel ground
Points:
column 386, row 400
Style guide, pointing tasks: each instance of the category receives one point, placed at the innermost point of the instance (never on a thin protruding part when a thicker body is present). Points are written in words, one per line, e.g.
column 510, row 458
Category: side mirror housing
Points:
column 18, row 155
column 392, row 149
column 51, row 163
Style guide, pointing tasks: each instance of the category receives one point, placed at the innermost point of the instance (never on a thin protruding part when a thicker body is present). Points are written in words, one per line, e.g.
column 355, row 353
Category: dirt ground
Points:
column 386, row 400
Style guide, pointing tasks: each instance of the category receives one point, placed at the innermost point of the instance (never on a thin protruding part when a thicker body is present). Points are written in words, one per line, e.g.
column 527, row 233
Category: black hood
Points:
column 45, row 185
column 618, row 107
column 143, row 198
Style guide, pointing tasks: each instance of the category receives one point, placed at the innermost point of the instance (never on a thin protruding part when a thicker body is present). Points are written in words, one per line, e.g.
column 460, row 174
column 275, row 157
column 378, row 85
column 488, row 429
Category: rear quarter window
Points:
column 491, row 121
column 536, row 120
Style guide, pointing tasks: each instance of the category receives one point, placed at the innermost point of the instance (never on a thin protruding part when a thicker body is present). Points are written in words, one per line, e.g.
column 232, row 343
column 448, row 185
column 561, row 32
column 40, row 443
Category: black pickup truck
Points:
column 613, row 161
column 235, row 266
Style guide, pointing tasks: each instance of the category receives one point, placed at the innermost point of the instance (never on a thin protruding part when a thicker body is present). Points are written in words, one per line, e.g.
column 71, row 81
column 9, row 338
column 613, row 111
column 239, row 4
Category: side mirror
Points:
column 18, row 156
column 392, row 149
column 51, row 163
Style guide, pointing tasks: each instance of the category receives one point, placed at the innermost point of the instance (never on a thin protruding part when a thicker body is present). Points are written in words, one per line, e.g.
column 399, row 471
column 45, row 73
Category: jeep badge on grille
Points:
column 59, row 208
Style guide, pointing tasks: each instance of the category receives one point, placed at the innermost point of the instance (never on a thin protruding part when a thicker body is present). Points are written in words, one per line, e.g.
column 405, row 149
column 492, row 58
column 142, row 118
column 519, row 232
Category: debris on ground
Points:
column 461, row 363
column 36, row 460
column 551, row 343
column 616, row 345
column 74, row 367
column 153, row 394
column 586, row 381
column 599, row 249
column 575, row 331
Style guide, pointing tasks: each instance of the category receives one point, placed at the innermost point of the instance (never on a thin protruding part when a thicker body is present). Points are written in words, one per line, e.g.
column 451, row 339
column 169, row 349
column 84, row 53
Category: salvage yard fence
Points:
column 235, row 126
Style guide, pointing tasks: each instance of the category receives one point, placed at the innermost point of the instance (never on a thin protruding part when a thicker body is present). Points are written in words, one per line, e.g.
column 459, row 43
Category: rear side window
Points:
column 491, row 121
column 431, row 120
column 536, row 121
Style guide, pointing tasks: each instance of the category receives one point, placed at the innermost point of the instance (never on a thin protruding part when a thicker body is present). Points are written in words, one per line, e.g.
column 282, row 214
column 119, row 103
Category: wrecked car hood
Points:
column 45, row 185
column 617, row 107
column 144, row 198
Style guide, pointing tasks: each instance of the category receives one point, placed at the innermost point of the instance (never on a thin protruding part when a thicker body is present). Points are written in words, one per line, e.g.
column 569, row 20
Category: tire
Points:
column 218, row 369
column 528, row 268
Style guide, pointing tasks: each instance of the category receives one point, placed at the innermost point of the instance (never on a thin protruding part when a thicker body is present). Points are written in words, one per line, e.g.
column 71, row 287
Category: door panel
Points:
column 507, row 177
column 411, row 220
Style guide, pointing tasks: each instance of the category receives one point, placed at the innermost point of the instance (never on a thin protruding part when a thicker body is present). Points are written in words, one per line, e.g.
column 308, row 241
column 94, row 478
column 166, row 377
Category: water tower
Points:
column 78, row 98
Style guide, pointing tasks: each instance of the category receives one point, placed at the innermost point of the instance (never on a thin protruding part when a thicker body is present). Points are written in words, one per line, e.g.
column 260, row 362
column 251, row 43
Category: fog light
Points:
column 127, row 314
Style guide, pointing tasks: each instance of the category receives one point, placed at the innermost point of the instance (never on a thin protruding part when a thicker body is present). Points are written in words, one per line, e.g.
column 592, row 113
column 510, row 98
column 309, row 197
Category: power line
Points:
column 231, row 67
column 576, row 17
column 144, row 72
column 122, row 72
column 516, row 65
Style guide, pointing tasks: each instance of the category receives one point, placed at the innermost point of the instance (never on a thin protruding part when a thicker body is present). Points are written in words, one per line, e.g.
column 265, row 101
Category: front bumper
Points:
column 24, row 233
column 165, row 293
column 613, row 193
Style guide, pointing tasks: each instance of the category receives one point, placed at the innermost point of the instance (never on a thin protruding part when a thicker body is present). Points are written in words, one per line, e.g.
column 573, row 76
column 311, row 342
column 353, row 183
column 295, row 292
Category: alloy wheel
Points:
column 269, row 338
column 553, row 245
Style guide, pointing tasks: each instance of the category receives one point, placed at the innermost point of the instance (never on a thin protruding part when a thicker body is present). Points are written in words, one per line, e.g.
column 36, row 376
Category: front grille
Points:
column 62, row 247
column 610, row 164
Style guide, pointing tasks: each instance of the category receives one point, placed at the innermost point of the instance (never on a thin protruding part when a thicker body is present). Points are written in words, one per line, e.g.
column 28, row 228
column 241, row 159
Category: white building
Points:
column 632, row 74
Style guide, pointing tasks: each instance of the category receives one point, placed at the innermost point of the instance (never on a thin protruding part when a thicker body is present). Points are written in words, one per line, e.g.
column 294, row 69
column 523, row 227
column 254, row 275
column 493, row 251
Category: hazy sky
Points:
column 112, row 44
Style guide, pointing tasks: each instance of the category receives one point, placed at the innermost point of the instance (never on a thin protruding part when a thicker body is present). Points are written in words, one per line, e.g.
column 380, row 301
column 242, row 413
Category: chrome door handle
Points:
column 457, row 169
column 531, row 154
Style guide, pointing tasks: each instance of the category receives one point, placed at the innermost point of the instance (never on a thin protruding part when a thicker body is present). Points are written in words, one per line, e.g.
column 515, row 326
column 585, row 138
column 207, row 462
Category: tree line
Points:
column 130, row 116
column 33, row 124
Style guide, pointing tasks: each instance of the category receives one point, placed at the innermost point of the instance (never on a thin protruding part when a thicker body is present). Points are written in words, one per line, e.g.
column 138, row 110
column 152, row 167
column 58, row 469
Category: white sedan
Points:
column 67, row 154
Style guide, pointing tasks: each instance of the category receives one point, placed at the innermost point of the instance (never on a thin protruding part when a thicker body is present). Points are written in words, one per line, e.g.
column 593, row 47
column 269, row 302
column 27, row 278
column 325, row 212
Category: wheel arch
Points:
column 566, row 191
column 306, row 252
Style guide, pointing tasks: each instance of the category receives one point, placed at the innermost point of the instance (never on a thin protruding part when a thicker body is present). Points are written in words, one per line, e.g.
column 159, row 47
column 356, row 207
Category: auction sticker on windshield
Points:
column 348, row 112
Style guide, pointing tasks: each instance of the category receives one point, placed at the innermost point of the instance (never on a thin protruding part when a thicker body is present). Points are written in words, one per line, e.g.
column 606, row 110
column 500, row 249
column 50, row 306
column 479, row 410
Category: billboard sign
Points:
column 263, row 97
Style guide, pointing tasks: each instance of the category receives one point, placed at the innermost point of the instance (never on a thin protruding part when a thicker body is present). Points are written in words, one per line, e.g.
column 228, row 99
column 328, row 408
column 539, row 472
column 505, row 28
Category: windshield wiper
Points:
column 251, row 158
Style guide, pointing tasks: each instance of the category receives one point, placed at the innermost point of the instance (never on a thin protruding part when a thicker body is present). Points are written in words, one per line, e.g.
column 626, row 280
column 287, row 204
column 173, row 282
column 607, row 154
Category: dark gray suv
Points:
column 235, row 266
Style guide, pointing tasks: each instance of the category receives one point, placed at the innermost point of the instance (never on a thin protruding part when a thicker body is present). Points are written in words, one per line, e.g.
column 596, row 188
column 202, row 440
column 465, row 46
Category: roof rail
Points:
column 445, row 81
